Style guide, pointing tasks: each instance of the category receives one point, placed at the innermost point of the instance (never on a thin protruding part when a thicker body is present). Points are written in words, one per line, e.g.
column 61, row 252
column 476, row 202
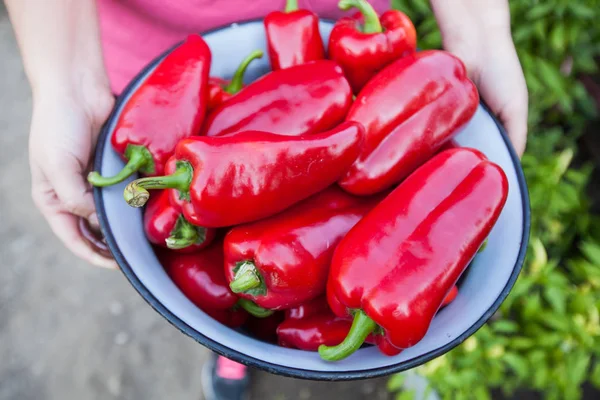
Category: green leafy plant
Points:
column 546, row 335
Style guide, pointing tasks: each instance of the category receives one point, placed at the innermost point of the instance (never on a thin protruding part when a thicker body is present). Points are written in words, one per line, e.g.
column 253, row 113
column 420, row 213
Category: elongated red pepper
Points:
column 166, row 226
column 423, row 100
column 362, row 51
column 169, row 105
column 293, row 37
column 200, row 277
column 251, row 175
column 307, row 98
column 283, row 261
column 393, row 270
column 220, row 90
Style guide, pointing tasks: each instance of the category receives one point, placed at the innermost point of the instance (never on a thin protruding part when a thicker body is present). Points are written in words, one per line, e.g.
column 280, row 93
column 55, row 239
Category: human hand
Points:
column 64, row 129
column 478, row 32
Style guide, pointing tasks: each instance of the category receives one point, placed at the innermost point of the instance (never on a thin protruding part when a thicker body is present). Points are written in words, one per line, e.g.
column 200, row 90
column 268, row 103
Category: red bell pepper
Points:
column 422, row 100
column 165, row 226
column 283, row 261
column 200, row 277
column 169, row 105
column 393, row 270
column 293, row 37
column 362, row 51
column 307, row 98
column 251, row 175
column 220, row 90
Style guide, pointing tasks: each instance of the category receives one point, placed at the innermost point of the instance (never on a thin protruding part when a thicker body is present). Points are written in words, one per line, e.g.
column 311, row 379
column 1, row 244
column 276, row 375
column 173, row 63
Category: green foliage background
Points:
column 546, row 336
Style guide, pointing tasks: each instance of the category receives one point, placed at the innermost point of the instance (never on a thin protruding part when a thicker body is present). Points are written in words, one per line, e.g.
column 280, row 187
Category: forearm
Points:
column 59, row 42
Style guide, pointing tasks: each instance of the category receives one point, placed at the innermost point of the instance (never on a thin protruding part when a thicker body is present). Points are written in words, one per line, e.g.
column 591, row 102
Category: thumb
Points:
column 72, row 190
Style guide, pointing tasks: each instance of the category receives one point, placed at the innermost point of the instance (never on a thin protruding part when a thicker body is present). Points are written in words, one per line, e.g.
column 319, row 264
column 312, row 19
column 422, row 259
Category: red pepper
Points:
column 265, row 329
column 362, row 51
column 251, row 175
column 220, row 90
column 422, row 101
column 309, row 308
column 283, row 261
column 312, row 324
column 200, row 277
column 293, row 37
column 169, row 105
column 310, row 333
column 450, row 296
column 165, row 226
column 307, row 98
column 393, row 270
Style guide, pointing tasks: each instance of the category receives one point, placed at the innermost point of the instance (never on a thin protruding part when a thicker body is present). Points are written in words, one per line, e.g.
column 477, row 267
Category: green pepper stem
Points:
column 138, row 158
column 253, row 309
column 291, row 5
column 136, row 193
column 185, row 234
column 372, row 23
column 245, row 278
column 362, row 326
column 237, row 82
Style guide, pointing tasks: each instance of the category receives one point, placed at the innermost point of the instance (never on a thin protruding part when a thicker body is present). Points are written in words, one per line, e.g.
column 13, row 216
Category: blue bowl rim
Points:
column 275, row 368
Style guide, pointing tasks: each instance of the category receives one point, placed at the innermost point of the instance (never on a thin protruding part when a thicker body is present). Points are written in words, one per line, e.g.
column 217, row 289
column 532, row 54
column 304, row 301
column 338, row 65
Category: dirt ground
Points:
column 70, row 331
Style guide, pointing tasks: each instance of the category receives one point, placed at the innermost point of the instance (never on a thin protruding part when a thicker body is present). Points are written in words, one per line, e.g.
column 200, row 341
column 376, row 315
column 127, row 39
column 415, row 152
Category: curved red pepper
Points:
column 200, row 277
column 396, row 266
column 422, row 100
column 364, row 51
column 293, row 37
column 220, row 90
column 283, row 261
column 307, row 98
column 251, row 175
column 169, row 105
column 165, row 226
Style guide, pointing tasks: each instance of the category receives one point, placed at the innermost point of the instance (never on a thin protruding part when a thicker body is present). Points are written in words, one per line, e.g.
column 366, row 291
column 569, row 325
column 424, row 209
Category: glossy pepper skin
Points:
column 220, row 90
column 396, row 266
column 169, row 105
column 305, row 99
column 423, row 100
column 251, row 175
column 200, row 277
column 293, row 37
column 166, row 226
column 283, row 261
column 362, row 50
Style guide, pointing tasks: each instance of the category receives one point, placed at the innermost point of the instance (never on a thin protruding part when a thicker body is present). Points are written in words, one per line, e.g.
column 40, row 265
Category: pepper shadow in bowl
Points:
column 483, row 288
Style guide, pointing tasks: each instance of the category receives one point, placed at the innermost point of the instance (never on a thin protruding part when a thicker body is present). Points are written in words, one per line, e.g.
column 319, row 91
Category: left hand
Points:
column 478, row 32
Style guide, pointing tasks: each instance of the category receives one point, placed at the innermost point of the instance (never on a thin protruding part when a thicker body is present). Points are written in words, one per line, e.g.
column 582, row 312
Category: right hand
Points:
column 64, row 130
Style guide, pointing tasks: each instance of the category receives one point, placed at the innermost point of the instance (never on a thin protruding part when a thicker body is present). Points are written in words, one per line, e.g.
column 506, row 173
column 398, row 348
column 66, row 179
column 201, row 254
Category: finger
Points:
column 65, row 227
column 72, row 190
column 514, row 118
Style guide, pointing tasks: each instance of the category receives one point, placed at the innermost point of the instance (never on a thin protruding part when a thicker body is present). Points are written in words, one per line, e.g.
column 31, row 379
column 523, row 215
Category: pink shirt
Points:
column 135, row 31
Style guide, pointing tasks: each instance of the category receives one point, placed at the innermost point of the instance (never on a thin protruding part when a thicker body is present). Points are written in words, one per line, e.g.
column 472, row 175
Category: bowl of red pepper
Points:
column 278, row 220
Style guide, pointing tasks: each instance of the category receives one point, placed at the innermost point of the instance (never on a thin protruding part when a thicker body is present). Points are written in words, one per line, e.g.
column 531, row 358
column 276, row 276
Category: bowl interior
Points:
column 487, row 282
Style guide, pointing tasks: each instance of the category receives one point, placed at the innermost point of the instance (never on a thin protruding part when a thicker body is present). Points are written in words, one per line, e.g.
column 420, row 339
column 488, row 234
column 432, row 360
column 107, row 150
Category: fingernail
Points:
column 93, row 219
